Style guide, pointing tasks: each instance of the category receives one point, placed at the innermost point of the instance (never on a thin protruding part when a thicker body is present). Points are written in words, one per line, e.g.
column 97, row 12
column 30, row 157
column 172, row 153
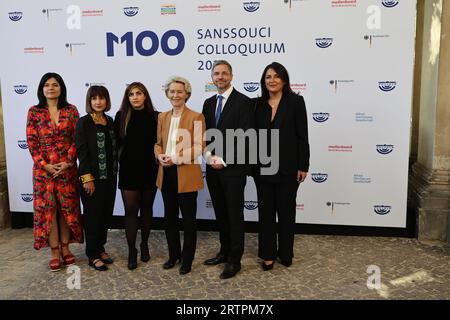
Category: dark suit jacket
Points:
column 86, row 143
column 237, row 113
column 291, row 120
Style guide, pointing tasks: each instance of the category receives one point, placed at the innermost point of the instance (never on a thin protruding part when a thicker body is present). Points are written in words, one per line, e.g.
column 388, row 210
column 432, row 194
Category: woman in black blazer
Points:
column 97, row 155
column 279, row 108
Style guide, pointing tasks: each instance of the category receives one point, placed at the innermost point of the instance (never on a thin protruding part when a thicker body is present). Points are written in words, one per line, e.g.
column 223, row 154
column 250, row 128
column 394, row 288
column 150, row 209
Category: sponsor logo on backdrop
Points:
column 15, row 15
column 344, row 3
column 49, row 12
column 168, row 9
column 298, row 87
column 33, row 50
column 333, row 204
column 389, row 3
column 321, row 116
column 340, row 148
column 130, row 11
column 300, row 206
column 20, row 89
column 363, row 117
column 251, row 86
column 360, row 178
column 22, row 144
column 209, row 8
column 251, row 6
column 289, row 3
column 250, row 205
column 319, row 177
column 335, row 84
column 209, row 204
column 387, row 86
column 27, row 197
column 71, row 46
column 385, row 148
column 371, row 38
column 92, row 13
column 210, row 87
column 324, row 42
column 90, row 84
column 382, row 209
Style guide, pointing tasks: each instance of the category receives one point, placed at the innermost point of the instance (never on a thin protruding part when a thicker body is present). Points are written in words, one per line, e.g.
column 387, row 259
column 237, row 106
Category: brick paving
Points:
column 325, row 267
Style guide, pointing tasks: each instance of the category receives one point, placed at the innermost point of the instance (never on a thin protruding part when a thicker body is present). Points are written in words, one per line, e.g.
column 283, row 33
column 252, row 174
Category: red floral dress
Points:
column 50, row 144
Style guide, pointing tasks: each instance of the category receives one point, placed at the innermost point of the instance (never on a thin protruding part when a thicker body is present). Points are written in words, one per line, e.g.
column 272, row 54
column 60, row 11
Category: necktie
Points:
column 219, row 108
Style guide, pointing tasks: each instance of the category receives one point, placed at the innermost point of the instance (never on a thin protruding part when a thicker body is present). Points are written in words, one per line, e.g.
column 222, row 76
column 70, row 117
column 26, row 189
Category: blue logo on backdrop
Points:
column 321, row 116
column 15, row 16
column 20, row 89
column 251, row 86
column 385, row 148
column 324, row 42
column 27, row 197
column 130, row 43
column 251, row 6
column 389, row 3
column 387, row 85
column 251, row 205
column 319, row 177
column 22, row 144
column 382, row 209
column 130, row 11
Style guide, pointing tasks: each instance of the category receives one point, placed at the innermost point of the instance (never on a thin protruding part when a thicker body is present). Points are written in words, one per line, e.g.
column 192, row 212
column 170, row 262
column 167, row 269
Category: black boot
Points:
column 132, row 258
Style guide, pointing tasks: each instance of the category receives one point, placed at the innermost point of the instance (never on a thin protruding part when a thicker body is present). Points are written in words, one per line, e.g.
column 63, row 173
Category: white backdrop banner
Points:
column 352, row 60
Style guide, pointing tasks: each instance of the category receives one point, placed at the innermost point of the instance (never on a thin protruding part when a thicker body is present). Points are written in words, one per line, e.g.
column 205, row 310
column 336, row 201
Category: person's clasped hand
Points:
column 165, row 160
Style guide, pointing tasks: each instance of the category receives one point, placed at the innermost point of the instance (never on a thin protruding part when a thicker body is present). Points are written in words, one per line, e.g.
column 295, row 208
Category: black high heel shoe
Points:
column 92, row 263
column 132, row 259
column 286, row 263
column 169, row 264
column 107, row 260
column 145, row 254
column 267, row 267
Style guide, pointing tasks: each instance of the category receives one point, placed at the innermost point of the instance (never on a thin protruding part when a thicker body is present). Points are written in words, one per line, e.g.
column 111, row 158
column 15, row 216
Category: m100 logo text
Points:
column 131, row 43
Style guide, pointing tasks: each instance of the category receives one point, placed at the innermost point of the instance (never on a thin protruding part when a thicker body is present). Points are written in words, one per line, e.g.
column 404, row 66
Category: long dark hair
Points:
column 126, row 108
column 62, row 99
column 284, row 75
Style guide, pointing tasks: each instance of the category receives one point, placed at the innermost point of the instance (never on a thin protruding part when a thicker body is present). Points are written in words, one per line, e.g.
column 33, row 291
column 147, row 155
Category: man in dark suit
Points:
column 227, row 170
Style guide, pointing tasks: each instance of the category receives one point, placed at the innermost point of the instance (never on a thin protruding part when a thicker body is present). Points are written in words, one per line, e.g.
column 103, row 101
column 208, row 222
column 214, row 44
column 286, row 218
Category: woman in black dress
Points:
column 136, row 125
column 97, row 155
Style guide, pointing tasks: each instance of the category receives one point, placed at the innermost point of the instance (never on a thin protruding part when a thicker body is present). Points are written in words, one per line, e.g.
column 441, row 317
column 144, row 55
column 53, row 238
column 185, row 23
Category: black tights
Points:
column 135, row 201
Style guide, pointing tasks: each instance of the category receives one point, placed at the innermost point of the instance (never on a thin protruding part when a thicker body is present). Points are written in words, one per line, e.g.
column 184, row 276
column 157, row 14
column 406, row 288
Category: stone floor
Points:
column 325, row 267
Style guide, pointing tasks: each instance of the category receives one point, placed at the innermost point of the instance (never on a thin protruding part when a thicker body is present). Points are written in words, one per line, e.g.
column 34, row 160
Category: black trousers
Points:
column 98, row 210
column 227, row 195
column 175, row 202
column 276, row 198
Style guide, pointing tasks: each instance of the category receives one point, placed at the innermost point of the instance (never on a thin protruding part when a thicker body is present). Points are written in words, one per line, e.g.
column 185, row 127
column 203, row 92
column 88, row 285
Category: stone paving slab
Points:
column 325, row 267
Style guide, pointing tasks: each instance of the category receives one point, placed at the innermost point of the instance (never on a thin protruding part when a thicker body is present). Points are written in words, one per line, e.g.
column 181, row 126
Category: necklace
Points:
column 98, row 119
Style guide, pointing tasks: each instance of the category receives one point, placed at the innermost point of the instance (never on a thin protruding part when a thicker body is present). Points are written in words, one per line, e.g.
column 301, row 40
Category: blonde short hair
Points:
column 176, row 79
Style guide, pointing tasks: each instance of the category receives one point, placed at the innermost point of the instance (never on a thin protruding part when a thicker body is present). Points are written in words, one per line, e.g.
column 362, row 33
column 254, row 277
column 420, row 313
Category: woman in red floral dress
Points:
column 51, row 141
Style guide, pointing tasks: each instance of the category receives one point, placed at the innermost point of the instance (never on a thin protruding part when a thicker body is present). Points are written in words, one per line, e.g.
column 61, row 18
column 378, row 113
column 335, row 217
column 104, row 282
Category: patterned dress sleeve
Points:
column 72, row 152
column 33, row 139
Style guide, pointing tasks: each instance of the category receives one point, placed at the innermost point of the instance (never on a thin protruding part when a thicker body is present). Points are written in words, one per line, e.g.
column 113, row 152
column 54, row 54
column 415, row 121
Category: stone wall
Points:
column 5, row 216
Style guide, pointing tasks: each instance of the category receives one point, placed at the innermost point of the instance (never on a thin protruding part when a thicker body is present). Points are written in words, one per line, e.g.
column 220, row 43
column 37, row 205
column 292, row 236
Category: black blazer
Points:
column 291, row 120
column 237, row 113
column 86, row 143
